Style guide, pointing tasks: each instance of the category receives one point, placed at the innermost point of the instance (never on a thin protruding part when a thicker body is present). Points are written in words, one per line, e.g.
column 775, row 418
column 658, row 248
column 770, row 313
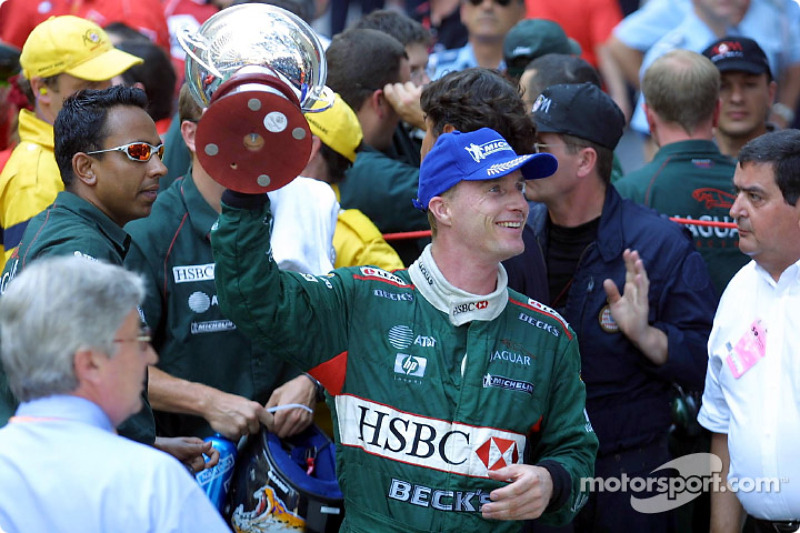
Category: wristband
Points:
column 320, row 395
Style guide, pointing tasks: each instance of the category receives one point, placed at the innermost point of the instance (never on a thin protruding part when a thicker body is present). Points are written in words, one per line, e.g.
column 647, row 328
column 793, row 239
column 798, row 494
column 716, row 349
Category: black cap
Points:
column 738, row 53
column 581, row 110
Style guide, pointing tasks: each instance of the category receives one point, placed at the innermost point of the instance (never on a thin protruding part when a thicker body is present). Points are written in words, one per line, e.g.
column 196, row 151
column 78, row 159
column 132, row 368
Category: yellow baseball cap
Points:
column 74, row 46
column 338, row 127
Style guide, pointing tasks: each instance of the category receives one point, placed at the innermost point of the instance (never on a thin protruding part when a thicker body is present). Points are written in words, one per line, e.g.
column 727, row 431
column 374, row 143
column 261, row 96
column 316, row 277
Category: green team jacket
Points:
column 693, row 180
column 73, row 226
column 194, row 340
column 422, row 409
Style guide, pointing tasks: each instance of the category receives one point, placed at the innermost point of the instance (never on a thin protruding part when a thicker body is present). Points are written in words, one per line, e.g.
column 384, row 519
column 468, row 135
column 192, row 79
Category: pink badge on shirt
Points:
column 748, row 351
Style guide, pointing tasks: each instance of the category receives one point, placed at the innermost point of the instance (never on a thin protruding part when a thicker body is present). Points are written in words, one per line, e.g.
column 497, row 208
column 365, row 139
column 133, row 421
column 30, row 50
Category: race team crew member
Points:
column 437, row 375
column 103, row 192
column 195, row 341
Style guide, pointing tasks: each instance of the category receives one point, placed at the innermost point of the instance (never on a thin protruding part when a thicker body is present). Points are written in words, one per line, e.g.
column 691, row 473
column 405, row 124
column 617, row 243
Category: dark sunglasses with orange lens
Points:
column 138, row 151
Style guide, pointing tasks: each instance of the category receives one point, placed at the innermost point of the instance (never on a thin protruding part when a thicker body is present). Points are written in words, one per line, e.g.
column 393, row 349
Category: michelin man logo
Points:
column 542, row 103
column 479, row 152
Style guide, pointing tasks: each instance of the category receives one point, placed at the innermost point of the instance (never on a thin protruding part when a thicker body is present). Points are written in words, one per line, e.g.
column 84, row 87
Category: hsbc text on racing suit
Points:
column 423, row 408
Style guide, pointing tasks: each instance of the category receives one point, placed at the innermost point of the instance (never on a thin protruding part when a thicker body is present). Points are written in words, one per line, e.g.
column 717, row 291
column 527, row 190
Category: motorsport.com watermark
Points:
column 696, row 473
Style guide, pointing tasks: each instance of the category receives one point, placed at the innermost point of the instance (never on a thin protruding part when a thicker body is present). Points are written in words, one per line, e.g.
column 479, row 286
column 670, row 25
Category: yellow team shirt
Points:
column 29, row 181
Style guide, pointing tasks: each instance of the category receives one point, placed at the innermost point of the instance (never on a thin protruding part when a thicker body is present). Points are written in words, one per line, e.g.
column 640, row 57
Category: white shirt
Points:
column 63, row 469
column 304, row 214
column 759, row 410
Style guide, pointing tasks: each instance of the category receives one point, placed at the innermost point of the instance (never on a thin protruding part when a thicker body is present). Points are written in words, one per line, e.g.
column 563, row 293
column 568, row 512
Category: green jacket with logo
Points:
column 73, row 226
column 693, row 180
column 422, row 409
column 194, row 340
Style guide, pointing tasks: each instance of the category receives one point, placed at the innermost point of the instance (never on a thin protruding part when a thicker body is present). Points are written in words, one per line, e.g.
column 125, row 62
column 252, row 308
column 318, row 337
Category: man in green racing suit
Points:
column 438, row 377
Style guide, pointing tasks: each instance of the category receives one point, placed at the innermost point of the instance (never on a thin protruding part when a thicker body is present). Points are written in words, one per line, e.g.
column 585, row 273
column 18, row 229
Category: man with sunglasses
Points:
column 488, row 22
column 108, row 152
column 60, row 57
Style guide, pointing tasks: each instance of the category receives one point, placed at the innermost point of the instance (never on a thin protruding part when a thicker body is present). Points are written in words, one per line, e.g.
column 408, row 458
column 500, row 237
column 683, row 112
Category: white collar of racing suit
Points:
column 461, row 306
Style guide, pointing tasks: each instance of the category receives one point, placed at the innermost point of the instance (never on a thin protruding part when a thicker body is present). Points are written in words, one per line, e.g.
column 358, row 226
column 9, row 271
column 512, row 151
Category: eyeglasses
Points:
column 540, row 147
column 502, row 3
column 138, row 151
column 143, row 339
column 418, row 75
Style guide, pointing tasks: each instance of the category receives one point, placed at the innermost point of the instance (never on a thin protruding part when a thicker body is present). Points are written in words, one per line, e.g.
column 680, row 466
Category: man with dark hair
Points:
column 636, row 342
column 751, row 390
column 688, row 177
column 415, row 38
column 108, row 152
column 404, row 97
column 488, row 22
column 61, row 56
column 747, row 92
column 552, row 69
column 472, row 98
column 361, row 63
column 440, row 375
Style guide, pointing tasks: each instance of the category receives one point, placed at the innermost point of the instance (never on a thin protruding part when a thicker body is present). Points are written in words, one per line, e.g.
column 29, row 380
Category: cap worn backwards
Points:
column 582, row 110
column 74, row 46
column 478, row 155
column 337, row 127
column 739, row 54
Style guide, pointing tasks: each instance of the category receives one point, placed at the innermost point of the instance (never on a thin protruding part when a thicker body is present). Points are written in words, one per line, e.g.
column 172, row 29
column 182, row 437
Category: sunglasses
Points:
column 503, row 3
column 138, row 151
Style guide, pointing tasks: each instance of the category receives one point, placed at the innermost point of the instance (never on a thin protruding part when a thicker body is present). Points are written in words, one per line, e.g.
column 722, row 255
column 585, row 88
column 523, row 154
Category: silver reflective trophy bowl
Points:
column 255, row 69
column 255, row 35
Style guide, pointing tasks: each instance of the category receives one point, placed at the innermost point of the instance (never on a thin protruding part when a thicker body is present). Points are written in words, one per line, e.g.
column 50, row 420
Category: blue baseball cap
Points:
column 474, row 156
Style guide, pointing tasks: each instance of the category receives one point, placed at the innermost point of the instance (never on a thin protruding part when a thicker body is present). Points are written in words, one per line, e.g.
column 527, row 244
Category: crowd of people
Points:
column 562, row 319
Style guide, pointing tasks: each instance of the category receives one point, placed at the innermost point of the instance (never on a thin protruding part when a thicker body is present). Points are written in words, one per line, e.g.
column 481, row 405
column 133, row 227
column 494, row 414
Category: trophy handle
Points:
column 326, row 96
column 191, row 43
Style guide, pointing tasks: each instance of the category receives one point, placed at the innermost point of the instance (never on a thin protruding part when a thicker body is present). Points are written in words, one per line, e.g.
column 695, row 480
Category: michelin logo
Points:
column 212, row 326
column 482, row 151
column 500, row 382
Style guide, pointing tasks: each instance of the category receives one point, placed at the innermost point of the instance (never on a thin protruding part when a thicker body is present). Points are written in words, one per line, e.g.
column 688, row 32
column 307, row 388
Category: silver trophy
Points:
column 256, row 68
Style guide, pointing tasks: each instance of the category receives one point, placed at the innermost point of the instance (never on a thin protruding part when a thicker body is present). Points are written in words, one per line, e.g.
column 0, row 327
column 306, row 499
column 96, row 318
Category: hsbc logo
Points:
column 471, row 306
column 423, row 441
column 191, row 273
column 498, row 453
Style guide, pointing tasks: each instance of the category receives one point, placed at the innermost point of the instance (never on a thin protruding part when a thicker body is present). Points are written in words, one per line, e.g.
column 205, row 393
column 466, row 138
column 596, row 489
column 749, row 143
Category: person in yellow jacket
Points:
column 336, row 141
column 61, row 56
